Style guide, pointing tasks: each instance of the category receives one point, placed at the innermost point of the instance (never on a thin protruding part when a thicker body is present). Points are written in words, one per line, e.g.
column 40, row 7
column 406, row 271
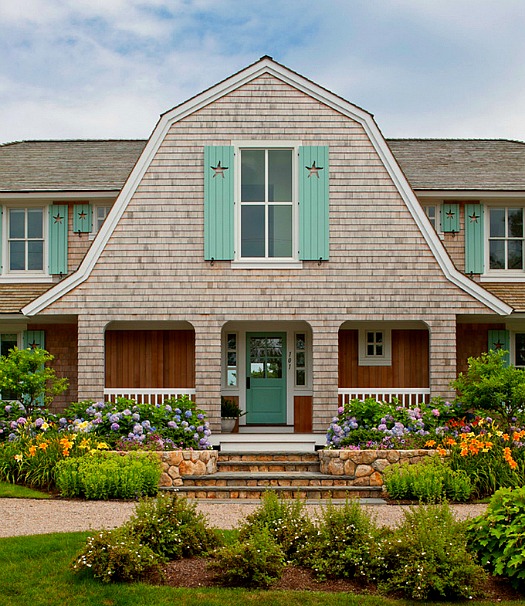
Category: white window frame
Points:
column 507, row 273
column 25, row 275
column 272, row 262
column 95, row 228
column 385, row 359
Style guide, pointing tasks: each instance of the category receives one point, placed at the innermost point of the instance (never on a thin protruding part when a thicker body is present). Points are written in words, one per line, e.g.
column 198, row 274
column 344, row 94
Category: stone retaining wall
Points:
column 177, row 463
column 366, row 465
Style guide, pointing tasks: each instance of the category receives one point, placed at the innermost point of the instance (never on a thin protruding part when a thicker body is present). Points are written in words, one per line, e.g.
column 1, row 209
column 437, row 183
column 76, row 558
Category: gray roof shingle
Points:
column 461, row 164
column 53, row 166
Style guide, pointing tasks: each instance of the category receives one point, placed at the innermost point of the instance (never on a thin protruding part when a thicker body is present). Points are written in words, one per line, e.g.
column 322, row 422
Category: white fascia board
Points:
column 266, row 66
column 59, row 195
column 473, row 194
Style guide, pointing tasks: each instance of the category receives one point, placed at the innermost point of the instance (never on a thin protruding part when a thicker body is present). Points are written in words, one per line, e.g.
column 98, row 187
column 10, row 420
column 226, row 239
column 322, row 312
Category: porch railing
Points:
column 147, row 396
column 408, row 397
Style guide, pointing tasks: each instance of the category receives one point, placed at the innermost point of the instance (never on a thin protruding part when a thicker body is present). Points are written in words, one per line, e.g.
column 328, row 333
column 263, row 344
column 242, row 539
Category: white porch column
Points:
column 91, row 358
column 325, row 371
column 443, row 359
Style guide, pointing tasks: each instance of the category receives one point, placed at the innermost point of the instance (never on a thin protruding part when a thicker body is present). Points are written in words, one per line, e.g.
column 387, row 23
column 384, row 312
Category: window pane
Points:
column 280, row 175
column 17, row 224
column 515, row 223
column 232, row 358
column 252, row 175
column 252, row 231
column 274, row 369
column 34, row 223
column 232, row 377
column 497, row 254
column 300, row 341
column 300, row 358
column 7, row 343
column 520, row 349
column 300, row 378
column 17, row 251
column 232, row 341
column 515, row 254
column 497, row 222
column 35, row 256
column 279, row 231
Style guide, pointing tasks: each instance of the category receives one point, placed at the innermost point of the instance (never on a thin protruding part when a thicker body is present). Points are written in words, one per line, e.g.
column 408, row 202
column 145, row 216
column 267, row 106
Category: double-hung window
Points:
column 266, row 204
column 506, row 238
column 25, row 235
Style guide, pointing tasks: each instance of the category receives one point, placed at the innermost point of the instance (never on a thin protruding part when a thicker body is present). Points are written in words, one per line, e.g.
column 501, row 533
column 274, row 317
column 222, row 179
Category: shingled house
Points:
column 266, row 244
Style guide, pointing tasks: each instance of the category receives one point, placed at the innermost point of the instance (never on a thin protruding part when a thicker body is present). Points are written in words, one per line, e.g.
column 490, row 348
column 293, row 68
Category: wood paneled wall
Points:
column 150, row 358
column 410, row 361
column 472, row 340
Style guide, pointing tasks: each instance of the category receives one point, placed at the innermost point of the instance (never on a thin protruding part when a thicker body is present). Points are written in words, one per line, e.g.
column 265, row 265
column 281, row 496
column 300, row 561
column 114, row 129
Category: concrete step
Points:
column 269, row 479
column 315, row 493
column 266, row 442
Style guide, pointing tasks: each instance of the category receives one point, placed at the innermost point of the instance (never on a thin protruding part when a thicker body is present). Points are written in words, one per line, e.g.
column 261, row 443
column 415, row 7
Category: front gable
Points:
column 369, row 195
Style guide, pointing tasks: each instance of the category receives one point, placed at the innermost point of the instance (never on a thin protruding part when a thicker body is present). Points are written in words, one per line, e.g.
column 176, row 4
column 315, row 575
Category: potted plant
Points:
column 230, row 413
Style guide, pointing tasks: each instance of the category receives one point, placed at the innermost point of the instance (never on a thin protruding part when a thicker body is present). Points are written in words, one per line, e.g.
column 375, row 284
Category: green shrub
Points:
column 343, row 544
column 258, row 561
column 287, row 521
column 429, row 481
column 172, row 527
column 498, row 536
column 115, row 555
column 109, row 476
column 427, row 557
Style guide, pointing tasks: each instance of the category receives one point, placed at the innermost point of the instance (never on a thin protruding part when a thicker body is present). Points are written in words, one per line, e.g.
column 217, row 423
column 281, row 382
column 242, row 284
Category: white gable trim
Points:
column 267, row 66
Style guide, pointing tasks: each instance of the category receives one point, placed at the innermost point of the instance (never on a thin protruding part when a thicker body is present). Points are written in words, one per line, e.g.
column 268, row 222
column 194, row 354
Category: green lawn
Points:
column 8, row 490
column 35, row 571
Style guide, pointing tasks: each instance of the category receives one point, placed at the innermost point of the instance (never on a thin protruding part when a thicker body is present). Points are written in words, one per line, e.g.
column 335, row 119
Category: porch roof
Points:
column 15, row 296
column 511, row 293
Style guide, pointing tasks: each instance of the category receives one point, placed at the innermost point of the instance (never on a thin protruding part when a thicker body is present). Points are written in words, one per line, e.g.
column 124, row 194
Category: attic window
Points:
column 375, row 347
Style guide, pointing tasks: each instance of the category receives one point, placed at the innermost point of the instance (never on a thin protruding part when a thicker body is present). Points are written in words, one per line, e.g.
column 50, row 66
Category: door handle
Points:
column 247, row 382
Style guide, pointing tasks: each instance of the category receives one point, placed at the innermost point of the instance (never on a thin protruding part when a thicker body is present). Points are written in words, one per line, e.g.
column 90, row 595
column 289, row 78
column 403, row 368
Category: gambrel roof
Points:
column 461, row 164
column 62, row 166
column 104, row 165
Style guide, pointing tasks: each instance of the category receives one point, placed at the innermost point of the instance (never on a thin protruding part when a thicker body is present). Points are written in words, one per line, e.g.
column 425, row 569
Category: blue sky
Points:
column 109, row 68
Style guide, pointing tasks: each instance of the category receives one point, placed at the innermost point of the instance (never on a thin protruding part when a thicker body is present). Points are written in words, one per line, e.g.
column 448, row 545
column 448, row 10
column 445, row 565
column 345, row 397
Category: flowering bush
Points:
column 172, row 425
column 371, row 424
column 491, row 457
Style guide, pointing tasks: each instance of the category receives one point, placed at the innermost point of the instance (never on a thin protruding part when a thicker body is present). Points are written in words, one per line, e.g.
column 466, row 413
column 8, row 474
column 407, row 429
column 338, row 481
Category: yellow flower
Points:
column 430, row 443
column 44, row 426
column 18, row 457
column 43, row 446
column 102, row 446
column 32, row 450
column 84, row 444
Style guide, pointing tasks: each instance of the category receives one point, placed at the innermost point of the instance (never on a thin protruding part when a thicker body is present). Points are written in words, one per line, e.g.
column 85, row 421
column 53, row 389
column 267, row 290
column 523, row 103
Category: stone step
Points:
column 256, row 492
column 268, row 479
column 268, row 466
column 259, row 456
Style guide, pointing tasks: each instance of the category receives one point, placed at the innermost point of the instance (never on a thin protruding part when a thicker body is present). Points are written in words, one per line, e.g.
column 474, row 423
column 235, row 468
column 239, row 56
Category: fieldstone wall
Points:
column 177, row 463
column 366, row 466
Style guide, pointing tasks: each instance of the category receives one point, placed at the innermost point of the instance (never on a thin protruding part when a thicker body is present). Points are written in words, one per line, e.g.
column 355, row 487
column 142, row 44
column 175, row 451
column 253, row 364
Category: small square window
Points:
column 375, row 347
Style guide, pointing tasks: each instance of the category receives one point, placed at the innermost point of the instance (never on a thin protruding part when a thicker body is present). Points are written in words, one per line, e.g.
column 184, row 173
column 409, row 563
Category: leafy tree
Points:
column 492, row 386
column 26, row 377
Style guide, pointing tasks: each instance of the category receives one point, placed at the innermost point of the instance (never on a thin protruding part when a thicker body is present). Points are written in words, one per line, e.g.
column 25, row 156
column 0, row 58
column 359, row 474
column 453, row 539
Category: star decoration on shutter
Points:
column 82, row 215
column 33, row 345
column 450, row 215
column 473, row 217
column 498, row 345
column 313, row 170
column 58, row 218
column 219, row 170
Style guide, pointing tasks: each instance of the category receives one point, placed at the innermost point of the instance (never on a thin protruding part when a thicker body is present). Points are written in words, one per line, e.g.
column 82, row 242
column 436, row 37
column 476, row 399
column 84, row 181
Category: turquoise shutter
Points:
column 500, row 339
column 313, row 203
column 218, row 203
column 1, row 246
column 34, row 339
column 58, row 239
column 474, row 239
column 82, row 218
column 450, row 217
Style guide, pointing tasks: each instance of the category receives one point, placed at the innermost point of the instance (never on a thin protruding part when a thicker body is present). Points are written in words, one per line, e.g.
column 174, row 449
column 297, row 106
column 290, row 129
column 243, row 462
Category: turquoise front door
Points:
column 266, row 378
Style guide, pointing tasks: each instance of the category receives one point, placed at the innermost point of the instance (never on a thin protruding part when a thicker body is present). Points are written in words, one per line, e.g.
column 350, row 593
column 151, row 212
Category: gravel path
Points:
column 33, row 516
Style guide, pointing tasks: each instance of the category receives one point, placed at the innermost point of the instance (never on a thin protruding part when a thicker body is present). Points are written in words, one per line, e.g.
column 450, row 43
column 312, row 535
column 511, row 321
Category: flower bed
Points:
column 366, row 465
column 177, row 463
